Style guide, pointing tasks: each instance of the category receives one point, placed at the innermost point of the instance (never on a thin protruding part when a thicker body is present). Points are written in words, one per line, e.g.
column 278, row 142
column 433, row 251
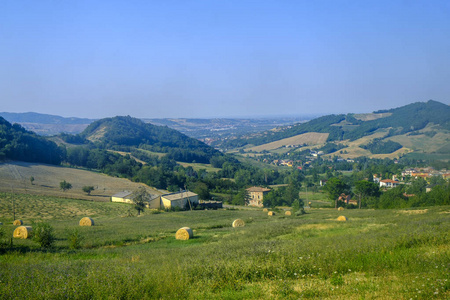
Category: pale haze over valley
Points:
column 203, row 59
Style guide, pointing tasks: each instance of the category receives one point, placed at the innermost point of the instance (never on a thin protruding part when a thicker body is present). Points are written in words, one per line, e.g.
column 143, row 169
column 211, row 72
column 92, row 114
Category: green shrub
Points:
column 2, row 236
column 74, row 238
column 43, row 234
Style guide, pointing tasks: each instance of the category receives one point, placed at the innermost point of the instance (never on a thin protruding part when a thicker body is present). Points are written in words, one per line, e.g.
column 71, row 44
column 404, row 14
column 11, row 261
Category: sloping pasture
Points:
column 376, row 254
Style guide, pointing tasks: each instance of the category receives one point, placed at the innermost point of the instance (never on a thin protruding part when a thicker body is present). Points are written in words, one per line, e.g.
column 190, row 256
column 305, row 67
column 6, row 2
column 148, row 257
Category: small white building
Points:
column 183, row 200
column 388, row 183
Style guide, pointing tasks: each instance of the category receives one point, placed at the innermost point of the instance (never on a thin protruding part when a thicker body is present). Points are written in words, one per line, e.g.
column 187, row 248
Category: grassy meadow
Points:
column 376, row 254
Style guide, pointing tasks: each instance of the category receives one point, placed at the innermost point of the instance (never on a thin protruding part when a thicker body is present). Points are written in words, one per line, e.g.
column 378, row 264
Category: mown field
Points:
column 376, row 254
column 310, row 138
column 15, row 176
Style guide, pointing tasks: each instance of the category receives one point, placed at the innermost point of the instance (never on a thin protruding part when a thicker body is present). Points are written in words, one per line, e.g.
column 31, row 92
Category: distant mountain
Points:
column 19, row 144
column 206, row 130
column 406, row 119
column 45, row 124
column 119, row 132
column 32, row 117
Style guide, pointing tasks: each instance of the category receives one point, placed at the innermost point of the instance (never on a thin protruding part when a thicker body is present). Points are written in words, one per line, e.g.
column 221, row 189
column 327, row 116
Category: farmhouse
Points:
column 183, row 200
column 125, row 196
column 388, row 183
column 257, row 195
column 154, row 201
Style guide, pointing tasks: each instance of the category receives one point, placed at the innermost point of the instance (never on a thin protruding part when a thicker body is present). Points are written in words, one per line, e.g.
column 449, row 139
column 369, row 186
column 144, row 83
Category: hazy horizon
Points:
column 232, row 59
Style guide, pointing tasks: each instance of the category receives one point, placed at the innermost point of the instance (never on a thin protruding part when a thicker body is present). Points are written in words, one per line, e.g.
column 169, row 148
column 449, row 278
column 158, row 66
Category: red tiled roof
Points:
column 388, row 181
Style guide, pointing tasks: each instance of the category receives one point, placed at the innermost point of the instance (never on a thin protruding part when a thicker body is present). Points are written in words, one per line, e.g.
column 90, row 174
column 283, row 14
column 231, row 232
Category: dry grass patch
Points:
column 316, row 226
column 413, row 212
column 310, row 138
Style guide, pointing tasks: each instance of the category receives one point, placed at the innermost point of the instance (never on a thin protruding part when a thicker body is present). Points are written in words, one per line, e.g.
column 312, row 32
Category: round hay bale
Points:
column 22, row 232
column 342, row 218
column 309, row 203
column 184, row 234
column 86, row 221
column 265, row 210
column 288, row 213
column 18, row 222
column 340, row 208
column 271, row 213
column 238, row 223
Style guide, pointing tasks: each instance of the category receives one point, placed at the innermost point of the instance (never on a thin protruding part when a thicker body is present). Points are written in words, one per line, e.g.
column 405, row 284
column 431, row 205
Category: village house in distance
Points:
column 257, row 195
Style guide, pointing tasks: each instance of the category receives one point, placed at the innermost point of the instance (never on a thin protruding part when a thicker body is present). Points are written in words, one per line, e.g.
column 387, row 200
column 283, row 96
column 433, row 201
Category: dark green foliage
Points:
column 201, row 189
column 284, row 196
column 241, row 198
column 335, row 187
column 64, row 185
column 19, row 144
column 365, row 189
column 2, row 237
column 43, row 234
column 88, row 189
column 382, row 147
column 72, row 139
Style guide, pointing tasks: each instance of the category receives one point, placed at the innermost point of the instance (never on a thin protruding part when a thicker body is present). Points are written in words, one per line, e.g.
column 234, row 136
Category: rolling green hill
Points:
column 410, row 120
column 119, row 132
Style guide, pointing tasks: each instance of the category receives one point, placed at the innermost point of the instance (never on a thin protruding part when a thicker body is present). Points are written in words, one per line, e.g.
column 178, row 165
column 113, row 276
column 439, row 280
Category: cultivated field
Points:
column 15, row 176
column 353, row 150
column 310, row 138
column 376, row 254
column 199, row 166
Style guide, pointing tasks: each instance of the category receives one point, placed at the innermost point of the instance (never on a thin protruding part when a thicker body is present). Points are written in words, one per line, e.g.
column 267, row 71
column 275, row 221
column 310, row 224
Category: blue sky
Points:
column 207, row 59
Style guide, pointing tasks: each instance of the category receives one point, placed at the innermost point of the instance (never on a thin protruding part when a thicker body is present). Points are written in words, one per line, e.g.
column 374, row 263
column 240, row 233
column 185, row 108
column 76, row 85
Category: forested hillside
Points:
column 405, row 119
column 122, row 132
column 20, row 144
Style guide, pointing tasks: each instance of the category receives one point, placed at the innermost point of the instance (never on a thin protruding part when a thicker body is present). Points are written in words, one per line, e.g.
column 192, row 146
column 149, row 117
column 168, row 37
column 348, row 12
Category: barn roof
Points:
column 179, row 195
column 122, row 194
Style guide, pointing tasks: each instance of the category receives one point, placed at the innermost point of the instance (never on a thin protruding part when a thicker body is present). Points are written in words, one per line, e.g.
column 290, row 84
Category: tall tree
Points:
column 334, row 188
column 140, row 199
column 365, row 188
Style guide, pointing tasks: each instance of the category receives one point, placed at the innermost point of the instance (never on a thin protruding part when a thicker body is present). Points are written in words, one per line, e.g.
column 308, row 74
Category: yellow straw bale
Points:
column 22, row 232
column 342, row 218
column 340, row 208
column 18, row 222
column 86, row 221
column 288, row 213
column 271, row 213
column 184, row 233
column 265, row 210
column 238, row 223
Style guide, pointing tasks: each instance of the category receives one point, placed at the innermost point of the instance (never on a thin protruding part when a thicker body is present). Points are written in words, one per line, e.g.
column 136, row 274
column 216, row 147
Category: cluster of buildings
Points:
column 182, row 200
column 413, row 173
